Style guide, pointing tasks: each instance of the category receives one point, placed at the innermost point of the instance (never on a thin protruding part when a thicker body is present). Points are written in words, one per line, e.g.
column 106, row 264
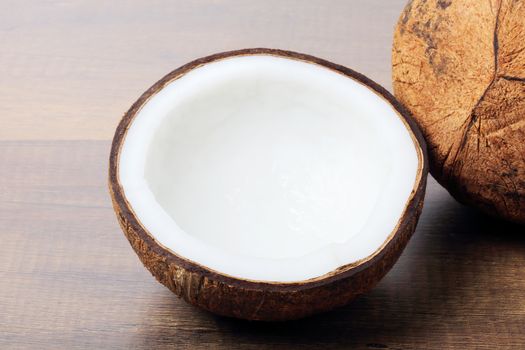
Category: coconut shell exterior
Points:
column 256, row 300
column 459, row 67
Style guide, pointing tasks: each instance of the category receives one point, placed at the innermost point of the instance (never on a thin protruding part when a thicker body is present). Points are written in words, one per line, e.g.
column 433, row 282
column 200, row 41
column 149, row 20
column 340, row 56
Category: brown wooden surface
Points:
column 68, row 278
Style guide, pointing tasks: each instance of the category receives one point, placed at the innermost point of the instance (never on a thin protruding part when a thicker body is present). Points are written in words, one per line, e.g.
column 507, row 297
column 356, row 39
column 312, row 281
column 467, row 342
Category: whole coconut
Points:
column 459, row 67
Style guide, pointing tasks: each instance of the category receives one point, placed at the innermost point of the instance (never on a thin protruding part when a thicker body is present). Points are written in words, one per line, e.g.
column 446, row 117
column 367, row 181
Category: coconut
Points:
column 459, row 67
column 267, row 185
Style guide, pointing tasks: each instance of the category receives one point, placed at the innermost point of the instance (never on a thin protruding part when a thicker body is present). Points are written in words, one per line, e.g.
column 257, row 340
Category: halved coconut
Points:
column 266, row 184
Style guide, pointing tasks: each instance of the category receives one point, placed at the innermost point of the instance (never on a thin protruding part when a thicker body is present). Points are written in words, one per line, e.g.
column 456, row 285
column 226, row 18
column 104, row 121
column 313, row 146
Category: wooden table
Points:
column 68, row 277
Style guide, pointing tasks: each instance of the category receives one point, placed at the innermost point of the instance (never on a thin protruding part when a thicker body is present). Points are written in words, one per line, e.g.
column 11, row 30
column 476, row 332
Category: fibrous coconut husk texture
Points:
column 258, row 300
column 459, row 67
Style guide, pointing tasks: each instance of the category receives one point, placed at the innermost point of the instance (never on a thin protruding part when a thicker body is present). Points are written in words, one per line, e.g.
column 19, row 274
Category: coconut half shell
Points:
column 226, row 295
column 459, row 67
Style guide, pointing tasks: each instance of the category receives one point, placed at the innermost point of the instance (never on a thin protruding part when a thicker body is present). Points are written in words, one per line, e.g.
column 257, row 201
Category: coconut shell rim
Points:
column 342, row 272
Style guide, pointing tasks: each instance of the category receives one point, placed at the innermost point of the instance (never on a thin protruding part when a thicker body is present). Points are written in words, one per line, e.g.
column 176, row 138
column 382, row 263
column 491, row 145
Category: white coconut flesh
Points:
column 269, row 169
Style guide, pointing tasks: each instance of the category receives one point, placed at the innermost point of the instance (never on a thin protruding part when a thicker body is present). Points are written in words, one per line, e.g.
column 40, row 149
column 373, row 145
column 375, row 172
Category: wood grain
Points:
column 70, row 69
column 68, row 277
